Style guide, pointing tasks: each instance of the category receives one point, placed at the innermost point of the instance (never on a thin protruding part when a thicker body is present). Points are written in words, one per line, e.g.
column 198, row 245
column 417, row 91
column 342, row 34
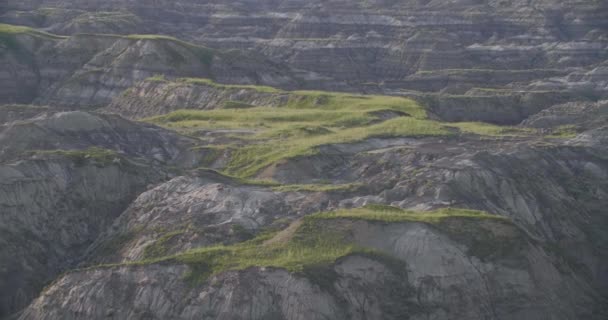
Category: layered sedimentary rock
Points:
column 354, row 46
column 363, row 41
column 53, row 207
column 87, row 71
column 540, row 254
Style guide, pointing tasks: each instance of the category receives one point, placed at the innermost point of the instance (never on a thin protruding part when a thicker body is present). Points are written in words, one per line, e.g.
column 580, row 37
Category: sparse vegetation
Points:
column 318, row 187
column 236, row 105
column 157, row 78
column 210, row 82
column 9, row 41
column 159, row 248
column 308, row 120
column 311, row 119
column 310, row 243
column 564, row 132
column 9, row 29
column 304, row 250
column 98, row 155
column 487, row 129
column 205, row 55
column 385, row 213
column 248, row 160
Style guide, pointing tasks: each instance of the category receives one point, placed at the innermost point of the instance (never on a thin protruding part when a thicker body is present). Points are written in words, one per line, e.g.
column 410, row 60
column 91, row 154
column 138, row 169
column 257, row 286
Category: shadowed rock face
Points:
column 511, row 286
column 526, row 49
column 57, row 202
column 359, row 40
column 52, row 209
column 87, row 71
column 82, row 130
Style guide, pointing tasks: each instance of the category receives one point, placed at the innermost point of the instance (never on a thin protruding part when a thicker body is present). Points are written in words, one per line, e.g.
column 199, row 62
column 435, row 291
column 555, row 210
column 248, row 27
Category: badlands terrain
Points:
column 304, row 159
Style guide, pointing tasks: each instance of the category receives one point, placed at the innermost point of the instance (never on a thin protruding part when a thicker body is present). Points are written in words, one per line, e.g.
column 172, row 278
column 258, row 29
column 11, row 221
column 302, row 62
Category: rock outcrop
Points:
column 81, row 130
column 53, row 207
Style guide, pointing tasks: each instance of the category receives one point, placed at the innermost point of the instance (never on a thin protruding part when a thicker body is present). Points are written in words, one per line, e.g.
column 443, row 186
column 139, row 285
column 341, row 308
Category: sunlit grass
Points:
column 487, row 129
column 394, row 214
column 318, row 187
column 315, row 241
column 9, row 29
column 311, row 119
column 210, row 82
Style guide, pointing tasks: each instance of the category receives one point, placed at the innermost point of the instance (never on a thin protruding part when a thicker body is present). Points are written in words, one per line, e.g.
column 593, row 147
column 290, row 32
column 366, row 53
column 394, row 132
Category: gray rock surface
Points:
column 53, row 208
column 82, row 130
column 525, row 47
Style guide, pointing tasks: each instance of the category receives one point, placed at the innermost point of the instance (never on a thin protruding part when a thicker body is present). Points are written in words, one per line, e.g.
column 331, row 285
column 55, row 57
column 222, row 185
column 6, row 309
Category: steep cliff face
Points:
column 154, row 97
column 65, row 178
column 204, row 211
column 363, row 41
column 442, row 281
column 54, row 206
column 211, row 246
column 86, row 71
column 371, row 46
column 81, row 130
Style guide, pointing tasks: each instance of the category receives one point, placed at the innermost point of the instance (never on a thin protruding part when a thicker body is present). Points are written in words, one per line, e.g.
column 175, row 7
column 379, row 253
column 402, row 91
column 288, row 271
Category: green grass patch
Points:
column 311, row 119
column 385, row 213
column 248, row 160
column 209, row 82
column 160, row 247
column 308, row 120
column 236, row 105
column 154, row 37
column 314, row 244
column 564, row 132
column 157, row 78
column 287, row 132
column 487, row 129
column 349, row 187
column 301, row 252
column 100, row 156
column 9, row 29
column 10, row 43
